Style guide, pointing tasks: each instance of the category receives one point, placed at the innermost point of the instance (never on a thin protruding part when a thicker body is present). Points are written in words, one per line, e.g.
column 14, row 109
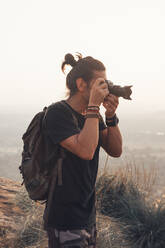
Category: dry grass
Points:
column 143, row 178
column 123, row 196
column 110, row 233
column 31, row 234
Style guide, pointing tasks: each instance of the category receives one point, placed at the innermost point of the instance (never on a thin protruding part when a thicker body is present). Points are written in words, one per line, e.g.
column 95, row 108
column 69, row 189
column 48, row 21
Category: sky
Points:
column 127, row 36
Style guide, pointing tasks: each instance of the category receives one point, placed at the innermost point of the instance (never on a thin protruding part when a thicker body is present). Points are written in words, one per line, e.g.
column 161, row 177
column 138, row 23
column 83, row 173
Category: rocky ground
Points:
column 11, row 216
column 14, row 215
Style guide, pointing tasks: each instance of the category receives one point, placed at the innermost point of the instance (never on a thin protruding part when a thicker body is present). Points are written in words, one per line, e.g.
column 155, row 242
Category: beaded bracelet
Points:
column 93, row 107
column 92, row 116
column 93, row 110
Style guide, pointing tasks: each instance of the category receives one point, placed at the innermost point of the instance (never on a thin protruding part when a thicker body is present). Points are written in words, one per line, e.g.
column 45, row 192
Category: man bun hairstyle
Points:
column 70, row 60
column 81, row 68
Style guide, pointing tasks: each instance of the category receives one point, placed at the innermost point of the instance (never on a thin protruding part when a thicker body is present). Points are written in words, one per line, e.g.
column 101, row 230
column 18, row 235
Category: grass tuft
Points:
column 32, row 233
column 123, row 197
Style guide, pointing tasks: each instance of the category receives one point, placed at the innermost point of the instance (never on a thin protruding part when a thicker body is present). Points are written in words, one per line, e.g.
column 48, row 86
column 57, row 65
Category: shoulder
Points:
column 58, row 108
column 58, row 114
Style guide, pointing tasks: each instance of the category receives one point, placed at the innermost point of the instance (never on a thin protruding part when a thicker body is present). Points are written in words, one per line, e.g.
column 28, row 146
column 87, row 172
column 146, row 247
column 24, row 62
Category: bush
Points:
column 123, row 198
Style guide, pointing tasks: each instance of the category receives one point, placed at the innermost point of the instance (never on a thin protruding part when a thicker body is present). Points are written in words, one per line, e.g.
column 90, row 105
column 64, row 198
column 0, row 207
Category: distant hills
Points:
column 139, row 131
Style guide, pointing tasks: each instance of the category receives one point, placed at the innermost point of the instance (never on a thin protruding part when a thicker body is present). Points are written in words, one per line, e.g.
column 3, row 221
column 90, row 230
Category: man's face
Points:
column 96, row 74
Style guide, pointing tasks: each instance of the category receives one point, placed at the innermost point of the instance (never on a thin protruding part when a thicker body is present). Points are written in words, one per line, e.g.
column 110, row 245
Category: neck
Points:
column 78, row 103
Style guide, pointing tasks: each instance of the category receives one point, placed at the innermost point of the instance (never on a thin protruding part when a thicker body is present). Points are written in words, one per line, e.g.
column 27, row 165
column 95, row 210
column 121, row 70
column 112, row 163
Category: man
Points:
column 72, row 218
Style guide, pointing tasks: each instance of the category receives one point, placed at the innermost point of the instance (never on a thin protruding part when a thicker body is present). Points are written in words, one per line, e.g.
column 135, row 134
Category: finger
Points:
column 114, row 100
column 111, row 101
column 101, row 83
column 109, row 97
column 106, row 92
column 95, row 82
column 104, row 86
column 110, row 107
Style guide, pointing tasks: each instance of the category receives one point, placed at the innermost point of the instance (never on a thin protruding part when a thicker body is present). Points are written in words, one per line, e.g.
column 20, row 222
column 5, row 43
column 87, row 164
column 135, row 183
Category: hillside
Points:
column 18, row 217
column 21, row 221
column 10, row 214
column 144, row 147
column 124, row 198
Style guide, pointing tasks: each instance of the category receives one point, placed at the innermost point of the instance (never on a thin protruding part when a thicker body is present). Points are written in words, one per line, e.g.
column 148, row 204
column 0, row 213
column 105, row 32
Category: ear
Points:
column 81, row 84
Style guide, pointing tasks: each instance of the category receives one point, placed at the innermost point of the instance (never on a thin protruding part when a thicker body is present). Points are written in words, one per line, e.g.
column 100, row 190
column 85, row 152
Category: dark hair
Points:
column 82, row 68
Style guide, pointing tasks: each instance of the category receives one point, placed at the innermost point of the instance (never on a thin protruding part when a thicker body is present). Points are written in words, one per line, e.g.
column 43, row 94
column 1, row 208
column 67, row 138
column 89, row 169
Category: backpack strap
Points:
column 62, row 152
column 51, row 189
column 57, row 172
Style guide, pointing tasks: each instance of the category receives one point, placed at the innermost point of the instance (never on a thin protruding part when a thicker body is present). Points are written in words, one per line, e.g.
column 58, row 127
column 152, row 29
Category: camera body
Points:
column 119, row 91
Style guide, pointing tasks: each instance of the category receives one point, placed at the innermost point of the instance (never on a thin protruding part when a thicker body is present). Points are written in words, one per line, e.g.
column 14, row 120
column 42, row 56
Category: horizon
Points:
column 34, row 108
column 126, row 36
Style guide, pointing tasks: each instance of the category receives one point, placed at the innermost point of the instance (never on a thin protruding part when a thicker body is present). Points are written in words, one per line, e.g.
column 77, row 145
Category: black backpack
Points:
column 40, row 169
column 35, row 173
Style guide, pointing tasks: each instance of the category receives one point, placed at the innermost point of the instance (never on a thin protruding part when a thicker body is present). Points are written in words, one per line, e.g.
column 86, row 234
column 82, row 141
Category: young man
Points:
column 72, row 218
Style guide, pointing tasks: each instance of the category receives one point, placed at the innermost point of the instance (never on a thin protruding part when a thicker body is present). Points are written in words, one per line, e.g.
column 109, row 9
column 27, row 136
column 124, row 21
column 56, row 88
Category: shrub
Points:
column 123, row 198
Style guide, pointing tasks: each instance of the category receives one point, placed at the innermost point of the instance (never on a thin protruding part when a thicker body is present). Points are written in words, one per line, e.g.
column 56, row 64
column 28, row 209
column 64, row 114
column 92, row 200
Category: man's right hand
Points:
column 99, row 90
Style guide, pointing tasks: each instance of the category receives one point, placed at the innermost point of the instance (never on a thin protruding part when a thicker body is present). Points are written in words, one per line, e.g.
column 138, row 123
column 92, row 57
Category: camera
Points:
column 119, row 91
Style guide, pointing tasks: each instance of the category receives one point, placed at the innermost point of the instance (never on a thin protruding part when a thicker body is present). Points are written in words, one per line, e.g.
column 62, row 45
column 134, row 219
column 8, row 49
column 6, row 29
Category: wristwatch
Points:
column 113, row 121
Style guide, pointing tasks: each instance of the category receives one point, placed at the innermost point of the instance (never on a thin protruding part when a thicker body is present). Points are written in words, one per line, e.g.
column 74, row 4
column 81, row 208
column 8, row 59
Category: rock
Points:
column 9, row 212
column 20, row 218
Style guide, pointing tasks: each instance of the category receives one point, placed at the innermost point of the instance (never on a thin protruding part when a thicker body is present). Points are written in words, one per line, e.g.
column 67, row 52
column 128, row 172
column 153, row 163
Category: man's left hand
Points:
column 110, row 103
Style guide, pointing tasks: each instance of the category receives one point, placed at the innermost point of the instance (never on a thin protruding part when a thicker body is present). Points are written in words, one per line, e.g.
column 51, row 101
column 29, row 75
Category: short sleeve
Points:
column 59, row 123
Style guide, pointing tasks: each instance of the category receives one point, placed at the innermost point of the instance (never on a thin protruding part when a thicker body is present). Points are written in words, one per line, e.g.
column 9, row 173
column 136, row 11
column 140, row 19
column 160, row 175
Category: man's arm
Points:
column 84, row 144
column 111, row 141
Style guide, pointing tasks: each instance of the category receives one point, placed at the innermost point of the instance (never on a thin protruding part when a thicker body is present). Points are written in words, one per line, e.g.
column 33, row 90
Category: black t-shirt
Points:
column 73, row 205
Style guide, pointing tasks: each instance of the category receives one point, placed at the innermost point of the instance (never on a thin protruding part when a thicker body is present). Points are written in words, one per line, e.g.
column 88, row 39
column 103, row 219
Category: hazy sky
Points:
column 127, row 36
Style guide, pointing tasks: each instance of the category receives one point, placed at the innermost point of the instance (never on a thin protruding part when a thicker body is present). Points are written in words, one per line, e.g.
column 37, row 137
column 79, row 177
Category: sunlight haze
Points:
column 127, row 36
